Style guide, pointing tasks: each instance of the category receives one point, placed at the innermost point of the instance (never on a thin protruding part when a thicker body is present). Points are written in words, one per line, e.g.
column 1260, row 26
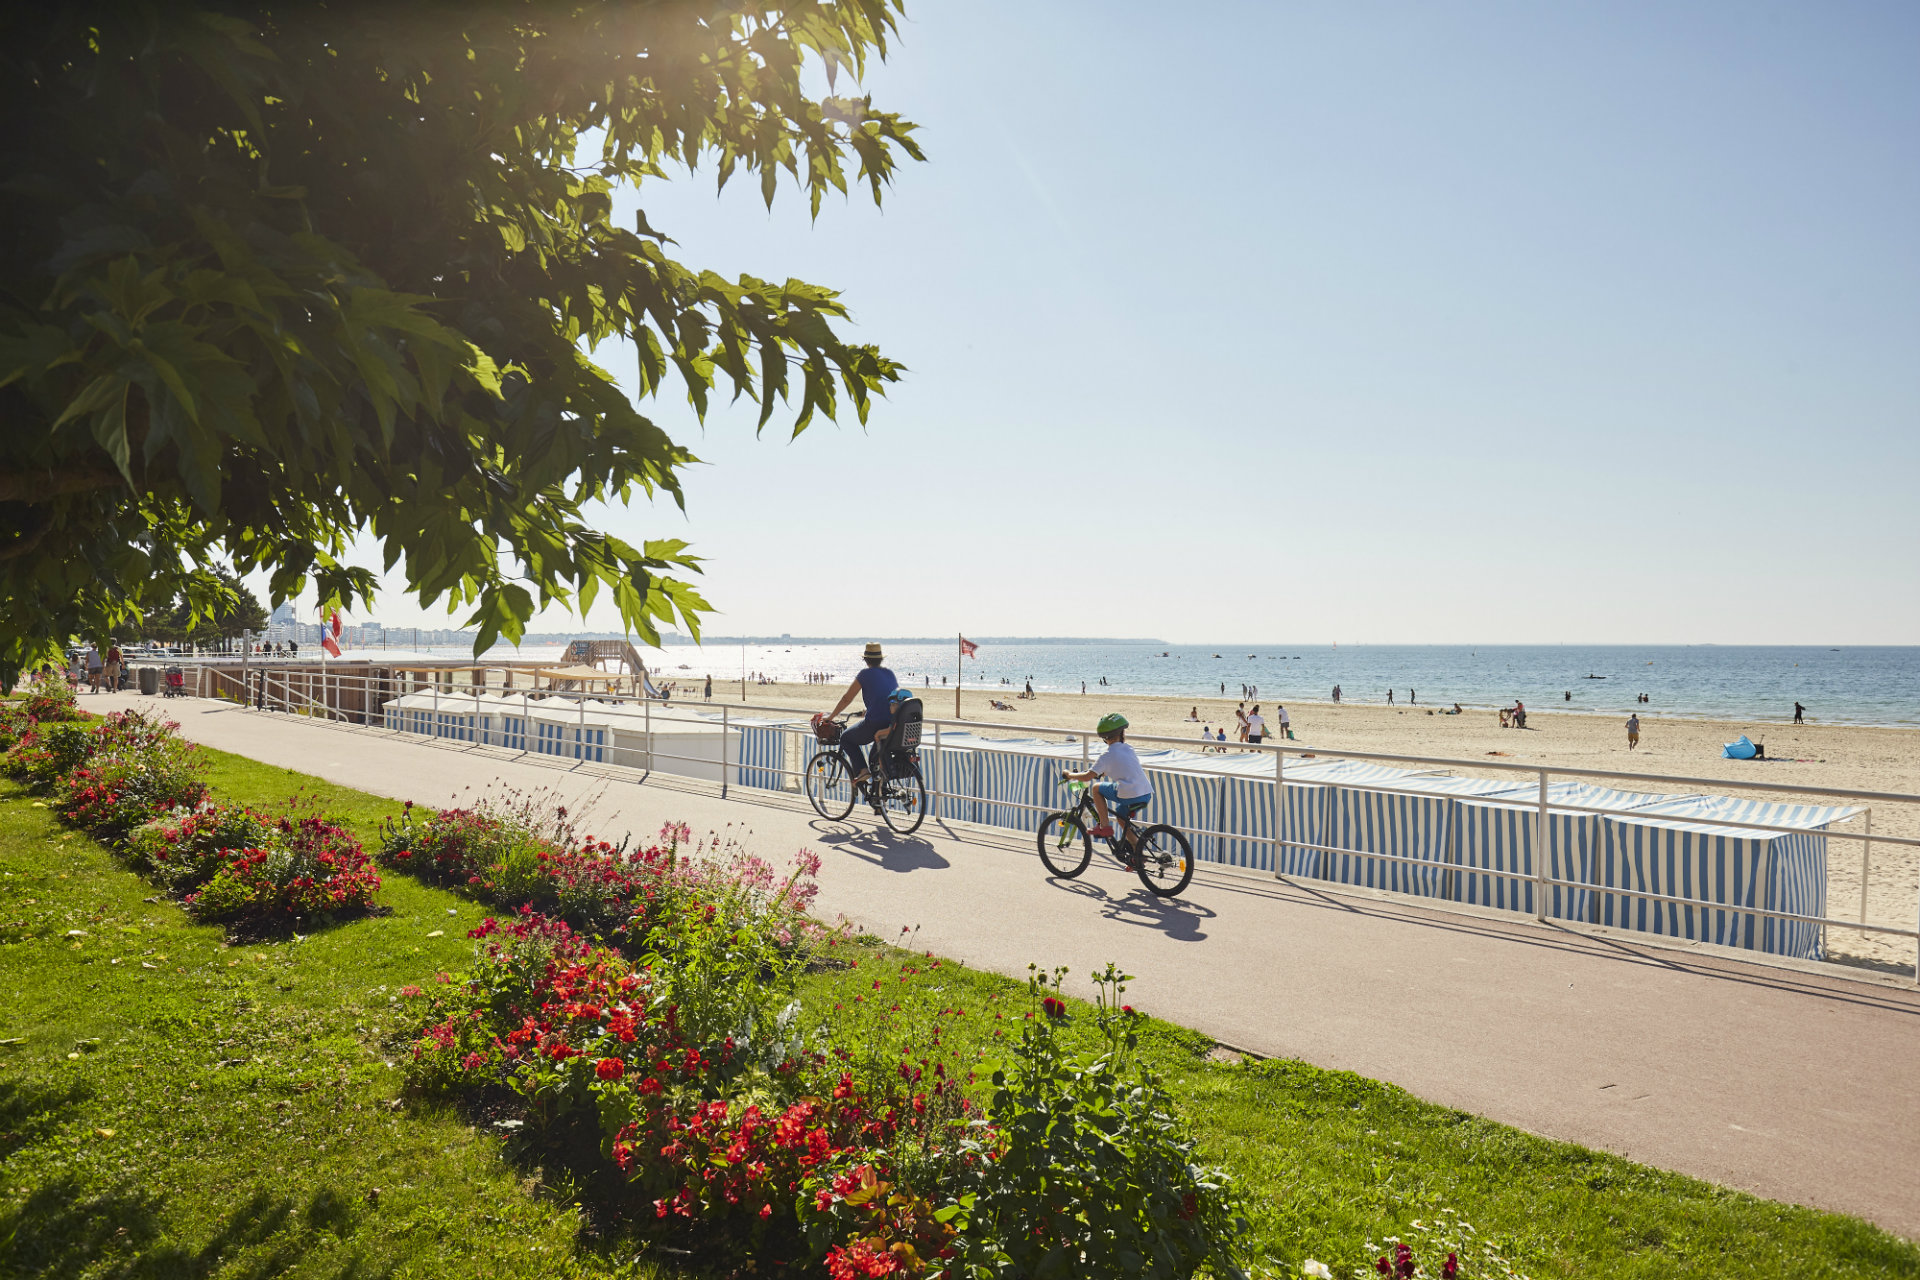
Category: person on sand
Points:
column 1633, row 731
column 1256, row 726
column 1220, row 740
column 1389, row 697
column 1124, row 790
column 1506, row 714
column 1519, row 714
column 1799, row 714
column 1240, row 719
column 1336, row 693
column 1193, row 716
column 1286, row 722
column 708, row 694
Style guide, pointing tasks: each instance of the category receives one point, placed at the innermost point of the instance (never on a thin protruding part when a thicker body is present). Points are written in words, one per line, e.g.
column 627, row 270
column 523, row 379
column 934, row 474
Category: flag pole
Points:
column 959, row 651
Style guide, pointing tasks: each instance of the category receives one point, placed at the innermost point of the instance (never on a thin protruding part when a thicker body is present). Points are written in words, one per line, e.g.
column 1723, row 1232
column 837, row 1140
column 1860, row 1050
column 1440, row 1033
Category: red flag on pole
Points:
column 967, row 647
column 330, row 640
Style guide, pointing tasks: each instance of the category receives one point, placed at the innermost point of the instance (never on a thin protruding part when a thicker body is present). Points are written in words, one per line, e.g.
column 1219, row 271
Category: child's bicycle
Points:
column 1159, row 854
column 893, row 785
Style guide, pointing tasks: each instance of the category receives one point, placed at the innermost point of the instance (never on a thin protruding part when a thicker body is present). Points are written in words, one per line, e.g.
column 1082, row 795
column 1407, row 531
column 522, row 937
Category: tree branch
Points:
column 44, row 486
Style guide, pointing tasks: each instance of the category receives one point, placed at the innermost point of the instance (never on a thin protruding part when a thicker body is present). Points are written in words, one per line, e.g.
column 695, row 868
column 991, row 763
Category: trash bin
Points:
column 149, row 680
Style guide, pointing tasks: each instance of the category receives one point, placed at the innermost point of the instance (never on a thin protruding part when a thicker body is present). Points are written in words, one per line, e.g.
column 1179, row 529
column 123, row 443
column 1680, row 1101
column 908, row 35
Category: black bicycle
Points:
column 1159, row 854
column 893, row 785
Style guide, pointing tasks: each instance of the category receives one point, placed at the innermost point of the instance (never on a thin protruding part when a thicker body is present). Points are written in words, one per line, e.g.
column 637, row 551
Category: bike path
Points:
column 1789, row 1084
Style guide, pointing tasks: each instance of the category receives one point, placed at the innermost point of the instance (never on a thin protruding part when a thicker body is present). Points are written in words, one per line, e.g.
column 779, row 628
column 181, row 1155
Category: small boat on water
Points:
column 1594, row 677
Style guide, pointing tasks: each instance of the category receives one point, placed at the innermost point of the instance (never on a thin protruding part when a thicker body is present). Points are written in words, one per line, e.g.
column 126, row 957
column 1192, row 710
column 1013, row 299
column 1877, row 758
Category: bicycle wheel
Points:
column 828, row 786
column 1065, row 846
column 904, row 802
column 1166, row 861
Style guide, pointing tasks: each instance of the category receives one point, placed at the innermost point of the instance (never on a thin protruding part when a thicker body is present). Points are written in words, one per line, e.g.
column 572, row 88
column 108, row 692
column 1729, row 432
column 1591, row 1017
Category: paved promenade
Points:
column 1789, row 1084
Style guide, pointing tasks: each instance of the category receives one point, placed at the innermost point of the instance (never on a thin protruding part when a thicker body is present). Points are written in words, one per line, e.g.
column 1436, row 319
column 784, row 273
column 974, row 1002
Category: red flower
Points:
column 1053, row 1008
column 1451, row 1268
column 1384, row 1267
column 609, row 1068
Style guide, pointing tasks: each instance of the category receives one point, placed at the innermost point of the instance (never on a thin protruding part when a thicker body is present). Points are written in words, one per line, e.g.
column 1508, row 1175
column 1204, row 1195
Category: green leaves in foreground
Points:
column 274, row 279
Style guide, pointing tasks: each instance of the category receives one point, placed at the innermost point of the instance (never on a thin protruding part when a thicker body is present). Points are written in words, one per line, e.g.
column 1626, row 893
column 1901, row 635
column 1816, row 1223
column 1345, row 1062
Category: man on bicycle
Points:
column 1125, row 790
column 875, row 685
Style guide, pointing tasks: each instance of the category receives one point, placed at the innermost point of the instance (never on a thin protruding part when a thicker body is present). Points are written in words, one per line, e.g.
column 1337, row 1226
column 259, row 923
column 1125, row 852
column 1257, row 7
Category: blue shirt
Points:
column 875, row 684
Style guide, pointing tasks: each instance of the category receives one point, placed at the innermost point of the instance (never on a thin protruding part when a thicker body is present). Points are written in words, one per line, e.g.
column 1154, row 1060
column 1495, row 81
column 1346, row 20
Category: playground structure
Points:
column 586, row 674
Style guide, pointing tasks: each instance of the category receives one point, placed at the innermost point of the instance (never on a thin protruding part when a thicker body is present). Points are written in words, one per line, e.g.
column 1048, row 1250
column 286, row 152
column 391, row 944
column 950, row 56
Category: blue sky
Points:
column 1358, row 322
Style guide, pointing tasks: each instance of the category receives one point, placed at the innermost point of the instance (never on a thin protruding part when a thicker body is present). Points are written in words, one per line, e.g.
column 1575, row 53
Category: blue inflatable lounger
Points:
column 1745, row 750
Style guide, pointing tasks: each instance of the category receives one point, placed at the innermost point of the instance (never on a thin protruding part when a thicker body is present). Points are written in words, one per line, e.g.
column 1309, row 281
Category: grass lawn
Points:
column 170, row 1106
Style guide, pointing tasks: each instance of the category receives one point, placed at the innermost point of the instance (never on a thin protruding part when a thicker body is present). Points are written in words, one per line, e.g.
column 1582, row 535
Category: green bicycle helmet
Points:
column 1112, row 722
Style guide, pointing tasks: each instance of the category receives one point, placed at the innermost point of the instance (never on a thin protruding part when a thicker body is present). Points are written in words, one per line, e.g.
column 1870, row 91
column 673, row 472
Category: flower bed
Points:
column 682, row 1088
column 134, row 783
column 513, row 853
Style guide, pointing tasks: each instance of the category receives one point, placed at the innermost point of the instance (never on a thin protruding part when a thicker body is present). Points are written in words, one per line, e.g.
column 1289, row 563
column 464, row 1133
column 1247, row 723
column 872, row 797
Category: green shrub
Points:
column 1096, row 1174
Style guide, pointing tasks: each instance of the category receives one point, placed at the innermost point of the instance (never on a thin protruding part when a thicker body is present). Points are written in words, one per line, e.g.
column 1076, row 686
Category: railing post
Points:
column 725, row 734
column 526, row 721
column 1866, row 866
column 580, row 740
column 1540, row 859
column 436, row 708
column 1279, row 781
column 939, row 770
column 647, row 706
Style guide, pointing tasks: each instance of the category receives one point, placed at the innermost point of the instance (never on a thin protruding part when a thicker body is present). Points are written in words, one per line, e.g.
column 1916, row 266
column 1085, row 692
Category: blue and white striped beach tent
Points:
column 1494, row 839
column 1408, row 817
column 1677, row 849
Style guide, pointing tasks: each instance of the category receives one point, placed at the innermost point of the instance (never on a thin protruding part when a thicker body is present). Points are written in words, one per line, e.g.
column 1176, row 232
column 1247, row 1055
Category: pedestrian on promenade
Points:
column 94, row 667
column 1799, row 714
column 1633, row 731
column 113, row 667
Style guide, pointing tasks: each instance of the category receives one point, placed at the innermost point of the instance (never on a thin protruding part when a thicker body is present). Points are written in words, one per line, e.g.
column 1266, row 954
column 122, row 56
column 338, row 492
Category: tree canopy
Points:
column 181, row 623
column 278, row 273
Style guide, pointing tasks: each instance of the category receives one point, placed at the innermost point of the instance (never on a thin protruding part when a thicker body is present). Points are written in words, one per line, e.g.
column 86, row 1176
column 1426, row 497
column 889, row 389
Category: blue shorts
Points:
column 1123, row 808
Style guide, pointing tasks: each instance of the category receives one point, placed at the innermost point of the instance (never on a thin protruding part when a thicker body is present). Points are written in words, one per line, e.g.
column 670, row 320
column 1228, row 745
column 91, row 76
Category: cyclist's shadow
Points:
column 1179, row 919
column 879, row 846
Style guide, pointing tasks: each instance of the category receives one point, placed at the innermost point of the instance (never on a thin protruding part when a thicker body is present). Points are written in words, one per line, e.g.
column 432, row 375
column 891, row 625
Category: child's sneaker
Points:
column 1104, row 831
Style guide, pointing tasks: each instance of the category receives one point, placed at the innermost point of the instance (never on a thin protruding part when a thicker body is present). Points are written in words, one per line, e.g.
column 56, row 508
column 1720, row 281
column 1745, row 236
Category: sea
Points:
column 1845, row 685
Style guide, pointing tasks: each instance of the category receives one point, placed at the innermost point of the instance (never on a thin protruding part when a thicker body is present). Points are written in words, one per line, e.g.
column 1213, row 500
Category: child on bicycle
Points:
column 1125, row 790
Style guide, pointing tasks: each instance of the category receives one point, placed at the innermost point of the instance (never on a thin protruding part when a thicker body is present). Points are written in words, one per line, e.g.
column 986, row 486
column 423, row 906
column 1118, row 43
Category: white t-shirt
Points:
column 1119, row 765
column 1256, row 726
column 1284, row 722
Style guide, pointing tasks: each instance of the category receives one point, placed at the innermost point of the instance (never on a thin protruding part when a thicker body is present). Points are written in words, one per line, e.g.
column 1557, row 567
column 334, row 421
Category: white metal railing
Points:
column 359, row 699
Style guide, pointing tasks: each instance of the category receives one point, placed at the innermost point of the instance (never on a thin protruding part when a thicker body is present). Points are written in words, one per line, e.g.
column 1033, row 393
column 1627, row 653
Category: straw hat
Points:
column 872, row 650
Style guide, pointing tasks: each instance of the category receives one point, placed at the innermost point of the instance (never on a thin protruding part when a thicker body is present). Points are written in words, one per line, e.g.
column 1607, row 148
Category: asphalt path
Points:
column 1787, row 1082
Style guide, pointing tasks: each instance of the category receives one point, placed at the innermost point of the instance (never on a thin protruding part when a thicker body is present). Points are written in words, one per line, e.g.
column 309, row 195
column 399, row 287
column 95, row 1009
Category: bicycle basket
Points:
column 828, row 731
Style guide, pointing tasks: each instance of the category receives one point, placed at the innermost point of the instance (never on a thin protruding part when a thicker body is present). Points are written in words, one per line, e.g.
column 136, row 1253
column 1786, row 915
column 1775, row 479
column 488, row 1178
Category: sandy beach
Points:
column 1850, row 756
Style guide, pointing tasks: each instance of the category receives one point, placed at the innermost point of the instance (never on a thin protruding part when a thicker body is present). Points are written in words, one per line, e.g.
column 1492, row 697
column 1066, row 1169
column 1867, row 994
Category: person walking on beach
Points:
column 1286, row 725
column 1413, row 699
column 1389, row 697
column 1256, row 725
column 1633, row 731
column 1336, row 694
column 1799, row 714
column 1240, row 718
column 709, row 689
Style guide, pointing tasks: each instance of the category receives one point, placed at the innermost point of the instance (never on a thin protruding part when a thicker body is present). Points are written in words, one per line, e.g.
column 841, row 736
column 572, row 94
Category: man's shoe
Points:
column 1104, row 831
